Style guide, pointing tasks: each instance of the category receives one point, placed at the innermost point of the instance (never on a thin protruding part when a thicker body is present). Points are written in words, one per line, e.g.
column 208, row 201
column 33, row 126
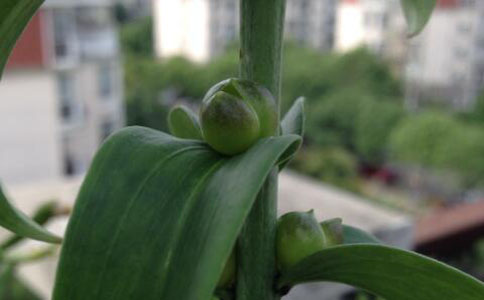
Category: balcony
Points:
column 98, row 43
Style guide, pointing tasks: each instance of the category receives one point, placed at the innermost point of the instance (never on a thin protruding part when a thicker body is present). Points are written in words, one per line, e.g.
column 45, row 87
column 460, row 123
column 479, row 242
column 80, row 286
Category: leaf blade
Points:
column 14, row 16
column 388, row 272
column 417, row 14
column 150, row 195
column 293, row 121
column 17, row 222
column 183, row 123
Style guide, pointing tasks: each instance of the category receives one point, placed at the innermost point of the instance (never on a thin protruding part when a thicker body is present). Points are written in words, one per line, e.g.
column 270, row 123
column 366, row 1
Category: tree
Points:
column 137, row 37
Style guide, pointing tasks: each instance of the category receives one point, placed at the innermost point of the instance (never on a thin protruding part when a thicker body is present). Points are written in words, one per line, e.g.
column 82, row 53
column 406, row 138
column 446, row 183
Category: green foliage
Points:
column 417, row 14
column 157, row 217
column 14, row 16
column 374, row 124
column 419, row 138
column 41, row 216
column 315, row 75
column 183, row 123
column 17, row 222
column 294, row 120
column 11, row 287
column 437, row 140
column 387, row 272
column 165, row 226
column 332, row 165
column 137, row 37
column 476, row 114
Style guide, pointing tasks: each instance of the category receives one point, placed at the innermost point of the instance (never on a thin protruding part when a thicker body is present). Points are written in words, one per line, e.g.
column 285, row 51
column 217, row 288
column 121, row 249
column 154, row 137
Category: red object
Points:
column 447, row 3
column 447, row 222
column 30, row 50
column 350, row 1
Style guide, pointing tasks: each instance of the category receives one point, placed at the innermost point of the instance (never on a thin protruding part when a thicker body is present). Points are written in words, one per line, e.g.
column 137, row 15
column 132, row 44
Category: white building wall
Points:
column 370, row 23
column 181, row 28
column 202, row 29
column 350, row 31
column 29, row 127
column 444, row 62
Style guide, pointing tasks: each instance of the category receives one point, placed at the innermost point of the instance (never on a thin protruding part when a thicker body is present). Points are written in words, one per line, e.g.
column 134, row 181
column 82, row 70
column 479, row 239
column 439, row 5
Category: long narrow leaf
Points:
column 14, row 16
column 388, row 272
column 157, row 216
column 293, row 123
column 17, row 222
column 417, row 13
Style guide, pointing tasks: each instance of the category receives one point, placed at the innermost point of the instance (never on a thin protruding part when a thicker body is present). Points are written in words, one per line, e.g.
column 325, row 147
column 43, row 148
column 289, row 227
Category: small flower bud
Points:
column 298, row 236
column 235, row 113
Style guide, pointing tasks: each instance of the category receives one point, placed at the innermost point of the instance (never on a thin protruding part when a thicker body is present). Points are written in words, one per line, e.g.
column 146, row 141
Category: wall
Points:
column 29, row 109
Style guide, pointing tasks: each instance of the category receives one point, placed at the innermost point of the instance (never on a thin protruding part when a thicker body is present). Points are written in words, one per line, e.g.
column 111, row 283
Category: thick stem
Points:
column 261, row 33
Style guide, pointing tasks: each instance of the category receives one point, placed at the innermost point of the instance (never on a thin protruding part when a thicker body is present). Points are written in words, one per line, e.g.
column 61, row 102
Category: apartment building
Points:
column 375, row 24
column 446, row 62
column 202, row 29
column 61, row 93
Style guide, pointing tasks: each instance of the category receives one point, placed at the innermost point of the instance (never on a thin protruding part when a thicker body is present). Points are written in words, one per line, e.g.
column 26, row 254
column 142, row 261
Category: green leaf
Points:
column 353, row 235
column 417, row 13
column 387, row 272
column 183, row 123
column 14, row 16
column 157, row 216
column 41, row 216
column 17, row 222
column 293, row 121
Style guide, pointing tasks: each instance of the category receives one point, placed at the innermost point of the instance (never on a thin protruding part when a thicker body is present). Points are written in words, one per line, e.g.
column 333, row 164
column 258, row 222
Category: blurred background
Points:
column 394, row 137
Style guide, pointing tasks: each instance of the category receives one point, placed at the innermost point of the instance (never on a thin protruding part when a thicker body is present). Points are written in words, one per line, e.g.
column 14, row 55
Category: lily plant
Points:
column 192, row 214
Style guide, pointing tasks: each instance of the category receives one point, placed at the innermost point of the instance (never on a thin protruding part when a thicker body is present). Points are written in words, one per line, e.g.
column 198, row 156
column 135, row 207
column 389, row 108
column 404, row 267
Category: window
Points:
column 66, row 92
column 105, row 80
column 93, row 18
column 64, row 33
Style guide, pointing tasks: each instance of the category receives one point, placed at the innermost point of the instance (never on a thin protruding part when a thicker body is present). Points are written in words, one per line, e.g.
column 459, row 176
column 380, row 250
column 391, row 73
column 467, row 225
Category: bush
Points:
column 374, row 123
column 331, row 165
column 137, row 37
column 437, row 140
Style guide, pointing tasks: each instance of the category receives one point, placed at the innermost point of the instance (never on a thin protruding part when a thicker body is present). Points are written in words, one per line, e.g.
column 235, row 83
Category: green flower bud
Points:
column 228, row 274
column 333, row 231
column 235, row 113
column 298, row 236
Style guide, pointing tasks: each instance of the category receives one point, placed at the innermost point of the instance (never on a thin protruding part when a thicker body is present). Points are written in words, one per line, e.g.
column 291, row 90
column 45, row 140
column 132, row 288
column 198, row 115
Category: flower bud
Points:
column 235, row 113
column 228, row 274
column 333, row 231
column 298, row 236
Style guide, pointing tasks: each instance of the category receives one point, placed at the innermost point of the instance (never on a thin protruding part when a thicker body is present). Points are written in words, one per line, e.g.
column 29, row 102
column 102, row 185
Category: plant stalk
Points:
column 261, row 33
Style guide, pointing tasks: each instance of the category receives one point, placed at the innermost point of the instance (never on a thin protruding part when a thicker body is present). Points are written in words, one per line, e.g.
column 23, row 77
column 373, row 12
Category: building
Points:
column 375, row 24
column 446, row 62
column 202, row 29
column 61, row 93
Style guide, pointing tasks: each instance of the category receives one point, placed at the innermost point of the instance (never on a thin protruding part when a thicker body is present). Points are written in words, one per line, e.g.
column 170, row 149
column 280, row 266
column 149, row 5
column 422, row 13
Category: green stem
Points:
column 262, row 23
